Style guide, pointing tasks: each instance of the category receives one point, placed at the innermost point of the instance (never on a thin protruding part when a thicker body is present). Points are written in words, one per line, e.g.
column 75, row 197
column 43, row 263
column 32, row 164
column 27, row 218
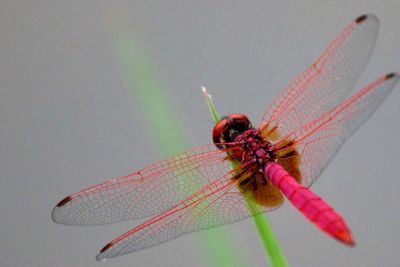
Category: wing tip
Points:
column 361, row 18
column 100, row 256
column 64, row 201
column 56, row 211
column 392, row 75
column 366, row 17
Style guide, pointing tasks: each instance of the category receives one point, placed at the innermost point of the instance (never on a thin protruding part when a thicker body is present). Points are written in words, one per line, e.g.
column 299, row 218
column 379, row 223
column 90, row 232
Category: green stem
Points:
column 275, row 254
column 152, row 99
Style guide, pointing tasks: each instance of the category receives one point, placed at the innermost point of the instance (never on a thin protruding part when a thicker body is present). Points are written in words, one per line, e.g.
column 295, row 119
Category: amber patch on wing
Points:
column 287, row 155
column 264, row 193
column 256, row 187
column 269, row 132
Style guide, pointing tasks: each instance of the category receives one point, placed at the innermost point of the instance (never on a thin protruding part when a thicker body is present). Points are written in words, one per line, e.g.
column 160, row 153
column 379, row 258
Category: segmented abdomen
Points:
column 310, row 204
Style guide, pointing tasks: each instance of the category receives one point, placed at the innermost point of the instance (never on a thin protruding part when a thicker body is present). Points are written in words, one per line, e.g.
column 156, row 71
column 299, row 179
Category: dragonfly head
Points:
column 228, row 128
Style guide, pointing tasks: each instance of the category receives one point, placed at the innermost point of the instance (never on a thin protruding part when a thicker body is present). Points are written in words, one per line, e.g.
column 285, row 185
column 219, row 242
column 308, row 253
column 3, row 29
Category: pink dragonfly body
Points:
column 312, row 206
column 297, row 137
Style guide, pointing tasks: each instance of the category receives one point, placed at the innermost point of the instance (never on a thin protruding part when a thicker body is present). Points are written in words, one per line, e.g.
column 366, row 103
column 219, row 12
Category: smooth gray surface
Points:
column 68, row 119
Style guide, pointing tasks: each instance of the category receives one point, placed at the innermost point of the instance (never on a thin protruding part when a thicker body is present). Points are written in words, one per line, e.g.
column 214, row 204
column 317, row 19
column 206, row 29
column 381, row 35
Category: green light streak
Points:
column 166, row 131
column 267, row 236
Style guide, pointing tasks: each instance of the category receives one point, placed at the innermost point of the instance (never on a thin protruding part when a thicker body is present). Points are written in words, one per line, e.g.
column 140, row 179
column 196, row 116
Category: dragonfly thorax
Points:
column 236, row 130
column 255, row 149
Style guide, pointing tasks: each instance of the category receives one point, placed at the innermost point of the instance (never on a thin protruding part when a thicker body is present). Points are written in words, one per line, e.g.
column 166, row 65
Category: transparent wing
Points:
column 326, row 82
column 221, row 202
column 319, row 140
column 145, row 192
column 215, row 204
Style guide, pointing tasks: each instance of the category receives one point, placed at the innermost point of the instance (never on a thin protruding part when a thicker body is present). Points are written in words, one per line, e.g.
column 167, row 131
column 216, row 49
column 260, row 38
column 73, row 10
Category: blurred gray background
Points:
column 69, row 118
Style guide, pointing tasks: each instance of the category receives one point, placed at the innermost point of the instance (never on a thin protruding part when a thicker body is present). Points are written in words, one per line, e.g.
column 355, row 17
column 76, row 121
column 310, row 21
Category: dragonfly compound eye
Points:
column 218, row 132
column 228, row 128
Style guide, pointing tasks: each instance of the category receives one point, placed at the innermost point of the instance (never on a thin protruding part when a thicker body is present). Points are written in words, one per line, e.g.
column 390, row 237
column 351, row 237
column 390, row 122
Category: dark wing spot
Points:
column 390, row 75
column 361, row 19
column 64, row 201
column 106, row 247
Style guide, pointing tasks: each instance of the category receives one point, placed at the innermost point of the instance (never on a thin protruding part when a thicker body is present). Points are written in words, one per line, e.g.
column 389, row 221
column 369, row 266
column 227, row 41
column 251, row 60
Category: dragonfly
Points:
column 297, row 137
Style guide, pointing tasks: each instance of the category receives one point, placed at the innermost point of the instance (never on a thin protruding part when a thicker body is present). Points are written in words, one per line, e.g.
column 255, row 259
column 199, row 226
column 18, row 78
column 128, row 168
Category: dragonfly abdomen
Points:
column 309, row 204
